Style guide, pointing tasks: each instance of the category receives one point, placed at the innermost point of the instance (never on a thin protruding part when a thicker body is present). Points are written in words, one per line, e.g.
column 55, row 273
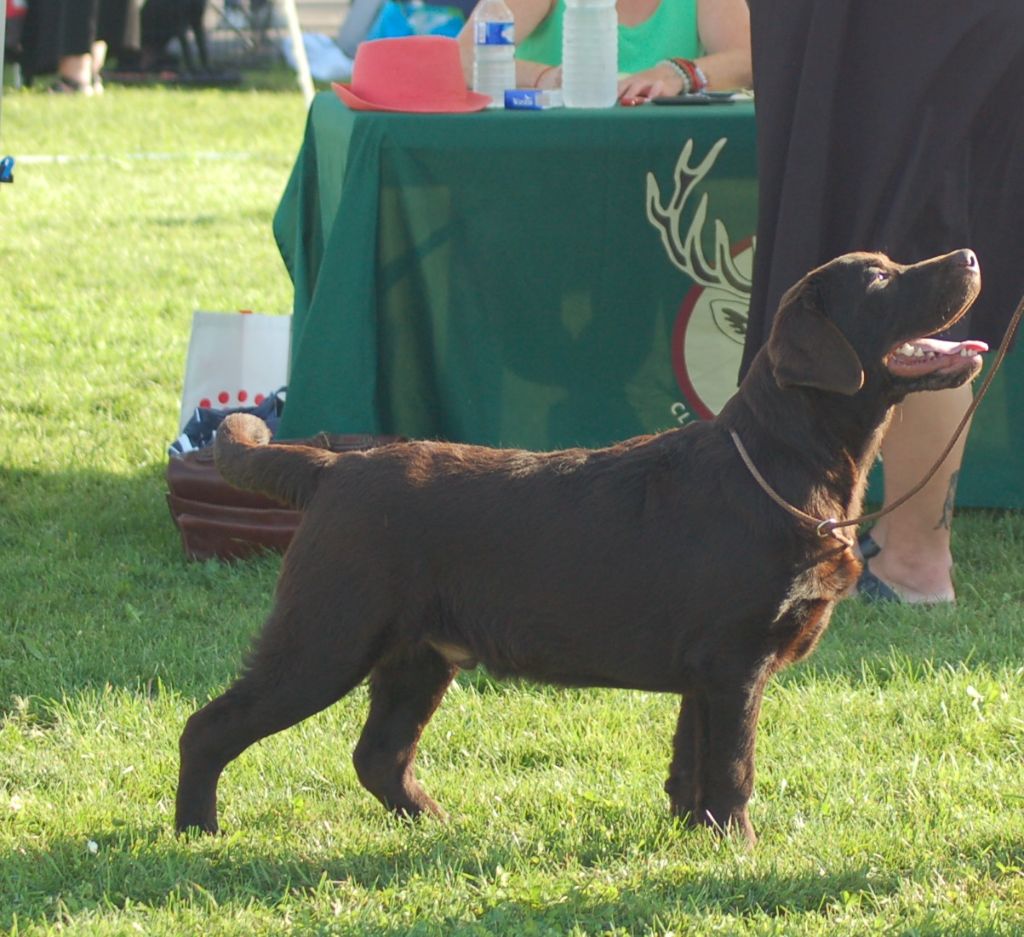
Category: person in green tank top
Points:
column 665, row 46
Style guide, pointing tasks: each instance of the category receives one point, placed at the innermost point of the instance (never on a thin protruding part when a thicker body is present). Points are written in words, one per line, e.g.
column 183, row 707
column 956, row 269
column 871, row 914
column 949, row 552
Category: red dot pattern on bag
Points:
column 224, row 398
column 242, row 396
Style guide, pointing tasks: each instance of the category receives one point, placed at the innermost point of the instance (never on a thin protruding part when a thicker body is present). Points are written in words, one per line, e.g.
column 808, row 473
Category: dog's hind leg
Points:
column 405, row 689
column 292, row 674
column 683, row 784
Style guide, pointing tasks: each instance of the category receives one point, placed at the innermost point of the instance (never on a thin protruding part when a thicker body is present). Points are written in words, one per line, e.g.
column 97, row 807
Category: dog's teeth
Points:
column 918, row 352
column 906, row 349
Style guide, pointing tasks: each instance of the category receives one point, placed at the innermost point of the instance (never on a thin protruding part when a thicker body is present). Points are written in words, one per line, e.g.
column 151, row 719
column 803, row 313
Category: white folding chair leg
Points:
column 301, row 60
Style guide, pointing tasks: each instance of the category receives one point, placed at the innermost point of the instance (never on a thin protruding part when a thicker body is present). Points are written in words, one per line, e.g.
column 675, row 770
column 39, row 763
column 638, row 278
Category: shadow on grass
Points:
column 151, row 870
column 97, row 589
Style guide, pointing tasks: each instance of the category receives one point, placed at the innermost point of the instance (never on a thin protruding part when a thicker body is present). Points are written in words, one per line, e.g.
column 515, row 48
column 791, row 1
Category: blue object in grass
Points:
column 7, row 169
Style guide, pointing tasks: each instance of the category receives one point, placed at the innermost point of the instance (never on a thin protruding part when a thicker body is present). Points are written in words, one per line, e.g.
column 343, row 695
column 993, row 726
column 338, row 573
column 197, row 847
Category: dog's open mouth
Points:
column 932, row 355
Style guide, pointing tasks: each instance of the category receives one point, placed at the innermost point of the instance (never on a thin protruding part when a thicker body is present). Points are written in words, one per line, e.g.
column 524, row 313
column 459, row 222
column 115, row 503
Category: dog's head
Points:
column 863, row 318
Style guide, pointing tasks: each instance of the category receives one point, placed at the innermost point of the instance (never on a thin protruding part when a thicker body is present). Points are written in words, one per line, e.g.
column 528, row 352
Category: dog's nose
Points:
column 967, row 258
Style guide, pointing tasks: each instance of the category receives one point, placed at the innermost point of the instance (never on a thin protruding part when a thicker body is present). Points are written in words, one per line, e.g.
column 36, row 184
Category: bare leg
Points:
column 405, row 689
column 916, row 559
column 99, row 59
column 294, row 673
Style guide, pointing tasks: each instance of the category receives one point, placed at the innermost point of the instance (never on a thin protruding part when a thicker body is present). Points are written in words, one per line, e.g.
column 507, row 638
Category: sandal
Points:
column 65, row 85
column 873, row 589
column 868, row 546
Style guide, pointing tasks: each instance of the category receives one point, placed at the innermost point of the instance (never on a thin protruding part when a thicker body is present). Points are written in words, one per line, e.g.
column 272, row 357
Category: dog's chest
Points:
column 805, row 610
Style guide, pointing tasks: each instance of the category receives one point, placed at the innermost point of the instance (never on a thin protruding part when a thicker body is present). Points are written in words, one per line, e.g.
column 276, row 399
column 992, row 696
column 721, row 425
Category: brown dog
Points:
column 655, row 564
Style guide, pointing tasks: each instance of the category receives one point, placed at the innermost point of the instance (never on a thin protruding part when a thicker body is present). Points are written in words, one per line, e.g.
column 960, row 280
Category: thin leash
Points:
column 831, row 525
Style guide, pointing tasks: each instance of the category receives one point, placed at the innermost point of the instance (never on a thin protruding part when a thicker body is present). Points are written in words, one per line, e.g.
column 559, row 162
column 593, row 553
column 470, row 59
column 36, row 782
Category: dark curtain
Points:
column 891, row 126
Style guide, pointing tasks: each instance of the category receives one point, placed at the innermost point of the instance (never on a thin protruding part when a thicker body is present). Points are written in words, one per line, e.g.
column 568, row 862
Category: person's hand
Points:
column 655, row 82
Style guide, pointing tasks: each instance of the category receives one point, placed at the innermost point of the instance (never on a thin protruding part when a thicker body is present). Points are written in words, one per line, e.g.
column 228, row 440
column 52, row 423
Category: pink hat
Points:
column 411, row 73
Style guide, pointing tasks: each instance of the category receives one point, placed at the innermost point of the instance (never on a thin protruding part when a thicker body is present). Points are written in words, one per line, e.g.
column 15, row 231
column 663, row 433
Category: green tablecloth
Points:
column 537, row 279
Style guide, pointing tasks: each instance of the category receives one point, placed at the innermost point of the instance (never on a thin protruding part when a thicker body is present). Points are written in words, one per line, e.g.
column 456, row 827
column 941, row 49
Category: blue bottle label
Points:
column 495, row 33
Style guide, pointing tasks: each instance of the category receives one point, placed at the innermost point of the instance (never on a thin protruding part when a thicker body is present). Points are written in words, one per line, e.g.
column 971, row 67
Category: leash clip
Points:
column 827, row 526
column 830, row 527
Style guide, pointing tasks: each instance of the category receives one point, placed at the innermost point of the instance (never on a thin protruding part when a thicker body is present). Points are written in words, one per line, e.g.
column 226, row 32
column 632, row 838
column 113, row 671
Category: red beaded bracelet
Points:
column 698, row 81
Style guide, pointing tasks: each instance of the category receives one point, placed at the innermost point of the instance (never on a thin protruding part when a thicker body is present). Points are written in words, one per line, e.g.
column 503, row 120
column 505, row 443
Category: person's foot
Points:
column 886, row 579
column 74, row 75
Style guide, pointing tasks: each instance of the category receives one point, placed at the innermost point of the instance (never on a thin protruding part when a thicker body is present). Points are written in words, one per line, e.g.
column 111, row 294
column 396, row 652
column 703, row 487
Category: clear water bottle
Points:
column 590, row 53
column 494, row 50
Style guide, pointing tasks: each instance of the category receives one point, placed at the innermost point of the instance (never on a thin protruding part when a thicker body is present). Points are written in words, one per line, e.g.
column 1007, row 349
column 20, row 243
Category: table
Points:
column 537, row 279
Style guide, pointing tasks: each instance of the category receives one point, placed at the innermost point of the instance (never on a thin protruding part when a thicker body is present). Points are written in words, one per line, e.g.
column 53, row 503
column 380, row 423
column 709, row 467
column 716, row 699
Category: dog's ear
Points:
column 807, row 350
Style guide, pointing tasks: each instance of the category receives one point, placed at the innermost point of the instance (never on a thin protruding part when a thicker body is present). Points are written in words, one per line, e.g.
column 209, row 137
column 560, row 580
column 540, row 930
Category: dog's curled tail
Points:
column 244, row 458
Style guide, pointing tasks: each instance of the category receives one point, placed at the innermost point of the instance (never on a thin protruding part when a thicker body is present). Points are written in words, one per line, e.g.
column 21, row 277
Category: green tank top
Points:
column 670, row 32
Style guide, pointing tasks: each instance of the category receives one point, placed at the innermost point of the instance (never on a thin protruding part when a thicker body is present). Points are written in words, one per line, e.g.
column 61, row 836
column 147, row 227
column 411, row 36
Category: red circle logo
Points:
column 707, row 340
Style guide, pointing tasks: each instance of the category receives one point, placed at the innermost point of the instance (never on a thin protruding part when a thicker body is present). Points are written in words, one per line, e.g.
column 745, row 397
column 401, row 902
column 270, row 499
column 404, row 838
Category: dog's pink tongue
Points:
column 936, row 346
column 952, row 348
column 930, row 354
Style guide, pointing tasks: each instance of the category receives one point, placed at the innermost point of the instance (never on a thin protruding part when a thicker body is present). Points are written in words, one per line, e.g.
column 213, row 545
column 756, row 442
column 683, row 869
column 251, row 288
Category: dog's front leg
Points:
column 727, row 758
column 683, row 784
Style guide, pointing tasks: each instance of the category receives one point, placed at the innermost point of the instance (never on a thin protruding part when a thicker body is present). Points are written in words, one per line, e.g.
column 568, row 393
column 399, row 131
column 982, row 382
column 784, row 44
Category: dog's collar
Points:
column 823, row 527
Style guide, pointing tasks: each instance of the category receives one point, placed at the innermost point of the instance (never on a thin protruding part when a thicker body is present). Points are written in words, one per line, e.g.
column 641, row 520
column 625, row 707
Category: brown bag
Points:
column 216, row 520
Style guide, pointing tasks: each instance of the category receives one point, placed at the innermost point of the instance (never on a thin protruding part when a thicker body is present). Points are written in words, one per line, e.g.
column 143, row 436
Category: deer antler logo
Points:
column 707, row 341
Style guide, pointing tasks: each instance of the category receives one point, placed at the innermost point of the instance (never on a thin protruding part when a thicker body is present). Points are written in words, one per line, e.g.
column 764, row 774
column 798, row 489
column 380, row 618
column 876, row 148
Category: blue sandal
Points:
column 873, row 589
column 868, row 546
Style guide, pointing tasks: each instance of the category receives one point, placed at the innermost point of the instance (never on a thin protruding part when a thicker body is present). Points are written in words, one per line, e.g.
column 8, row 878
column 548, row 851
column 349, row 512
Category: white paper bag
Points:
column 234, row 360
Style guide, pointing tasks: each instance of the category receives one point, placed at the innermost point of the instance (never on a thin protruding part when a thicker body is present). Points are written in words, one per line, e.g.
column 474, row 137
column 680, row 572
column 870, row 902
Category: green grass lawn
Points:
column 890, row 794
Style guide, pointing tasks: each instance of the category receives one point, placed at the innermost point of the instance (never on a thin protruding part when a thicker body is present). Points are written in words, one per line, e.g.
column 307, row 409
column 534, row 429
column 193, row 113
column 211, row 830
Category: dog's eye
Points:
column 880, row 276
